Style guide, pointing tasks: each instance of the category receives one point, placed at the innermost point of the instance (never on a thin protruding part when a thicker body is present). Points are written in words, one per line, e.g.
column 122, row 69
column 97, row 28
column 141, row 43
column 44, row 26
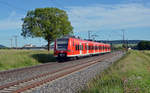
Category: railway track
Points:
column 23, row 73
column 34, row 81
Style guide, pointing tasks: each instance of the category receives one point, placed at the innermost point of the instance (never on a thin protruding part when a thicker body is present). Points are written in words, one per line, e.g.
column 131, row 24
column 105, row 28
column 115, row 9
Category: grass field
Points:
column 131, row 74
column 10, row 59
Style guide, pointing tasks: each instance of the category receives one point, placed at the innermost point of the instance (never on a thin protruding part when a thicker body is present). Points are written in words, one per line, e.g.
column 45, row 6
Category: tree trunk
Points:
column 48, row 45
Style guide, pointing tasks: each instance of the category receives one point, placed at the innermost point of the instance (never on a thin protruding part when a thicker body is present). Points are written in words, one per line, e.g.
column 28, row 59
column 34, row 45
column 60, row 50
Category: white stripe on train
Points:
column 84, row 54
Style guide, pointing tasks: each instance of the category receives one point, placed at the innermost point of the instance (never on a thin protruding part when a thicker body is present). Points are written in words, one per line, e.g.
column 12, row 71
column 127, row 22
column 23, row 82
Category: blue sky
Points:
column 105, row 18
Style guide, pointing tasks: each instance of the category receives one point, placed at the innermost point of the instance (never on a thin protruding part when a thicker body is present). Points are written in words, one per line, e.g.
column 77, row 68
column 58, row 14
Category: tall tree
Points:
column 48, row 23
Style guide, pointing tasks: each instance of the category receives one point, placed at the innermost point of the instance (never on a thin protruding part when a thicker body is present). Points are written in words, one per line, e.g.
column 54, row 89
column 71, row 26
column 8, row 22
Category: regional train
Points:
column 71, row 47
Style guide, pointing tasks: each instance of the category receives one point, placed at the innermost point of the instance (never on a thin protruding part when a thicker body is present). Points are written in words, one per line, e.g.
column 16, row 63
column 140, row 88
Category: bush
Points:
column 144, row 45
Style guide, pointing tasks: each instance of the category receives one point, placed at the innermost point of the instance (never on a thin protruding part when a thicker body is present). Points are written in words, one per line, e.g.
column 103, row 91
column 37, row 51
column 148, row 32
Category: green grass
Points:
column 10, row 59
column 119, row 46
column 131, row 74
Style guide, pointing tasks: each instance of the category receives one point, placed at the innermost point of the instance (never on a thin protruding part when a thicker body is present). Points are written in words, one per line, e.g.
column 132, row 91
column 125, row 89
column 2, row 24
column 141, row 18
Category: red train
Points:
column 74, row 47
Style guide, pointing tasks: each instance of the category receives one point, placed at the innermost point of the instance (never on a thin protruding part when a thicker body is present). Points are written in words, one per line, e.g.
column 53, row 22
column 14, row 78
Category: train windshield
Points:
column 62, row 44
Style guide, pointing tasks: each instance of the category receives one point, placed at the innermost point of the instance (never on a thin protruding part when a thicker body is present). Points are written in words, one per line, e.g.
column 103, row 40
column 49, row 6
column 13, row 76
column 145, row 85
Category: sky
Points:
column 104, row 18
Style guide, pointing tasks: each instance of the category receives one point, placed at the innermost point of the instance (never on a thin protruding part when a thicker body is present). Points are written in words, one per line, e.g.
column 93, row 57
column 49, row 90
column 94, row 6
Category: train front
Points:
column 60, row 49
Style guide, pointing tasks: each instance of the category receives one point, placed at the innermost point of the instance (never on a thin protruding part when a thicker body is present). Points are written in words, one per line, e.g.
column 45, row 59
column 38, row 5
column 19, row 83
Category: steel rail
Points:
column 35, row 84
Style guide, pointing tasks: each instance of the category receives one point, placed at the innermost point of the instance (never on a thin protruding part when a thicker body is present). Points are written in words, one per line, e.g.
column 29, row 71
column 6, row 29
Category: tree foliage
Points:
column 48, row 23
column 144, row 45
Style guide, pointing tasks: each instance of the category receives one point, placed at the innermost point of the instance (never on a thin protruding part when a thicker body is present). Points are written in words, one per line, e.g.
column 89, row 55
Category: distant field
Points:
column 120, row 45
column 131, row 74
column 10, row 59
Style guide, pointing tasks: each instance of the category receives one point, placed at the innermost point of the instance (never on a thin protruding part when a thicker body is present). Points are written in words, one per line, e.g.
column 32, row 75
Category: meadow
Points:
column 10, row 59
column 130, row 74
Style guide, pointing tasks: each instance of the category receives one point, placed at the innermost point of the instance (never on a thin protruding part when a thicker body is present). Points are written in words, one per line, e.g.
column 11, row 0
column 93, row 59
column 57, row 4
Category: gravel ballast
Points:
column 28, row 72
column 73, row 82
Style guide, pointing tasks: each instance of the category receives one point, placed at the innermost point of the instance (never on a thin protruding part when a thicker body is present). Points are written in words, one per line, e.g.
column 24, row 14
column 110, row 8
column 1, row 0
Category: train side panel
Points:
column 77, row 48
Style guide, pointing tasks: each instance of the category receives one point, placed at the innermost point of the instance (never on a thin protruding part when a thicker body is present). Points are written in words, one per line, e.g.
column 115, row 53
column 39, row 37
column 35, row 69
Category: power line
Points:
column 123, row 35
column 89, row 35
column 11, row 42
column 16, row 40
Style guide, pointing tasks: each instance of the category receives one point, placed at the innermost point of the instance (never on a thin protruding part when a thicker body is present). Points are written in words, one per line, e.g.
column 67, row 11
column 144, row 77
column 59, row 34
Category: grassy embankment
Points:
column 10, row 59
column 131, row 74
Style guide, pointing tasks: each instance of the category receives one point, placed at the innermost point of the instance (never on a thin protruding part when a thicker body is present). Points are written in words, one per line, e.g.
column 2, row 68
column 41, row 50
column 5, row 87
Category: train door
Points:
column 87, row 48
column 80, row 48
column 94, row 48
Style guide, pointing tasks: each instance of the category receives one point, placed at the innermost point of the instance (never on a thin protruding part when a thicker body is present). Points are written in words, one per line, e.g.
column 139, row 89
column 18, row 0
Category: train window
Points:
column 73, row 43
column 81, row 47
column 86, row 47
column 62, row 44
column 78, row 47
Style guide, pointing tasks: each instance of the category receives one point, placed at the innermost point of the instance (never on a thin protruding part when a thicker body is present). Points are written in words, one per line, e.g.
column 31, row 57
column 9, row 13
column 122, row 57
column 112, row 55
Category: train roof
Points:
column 83, row 40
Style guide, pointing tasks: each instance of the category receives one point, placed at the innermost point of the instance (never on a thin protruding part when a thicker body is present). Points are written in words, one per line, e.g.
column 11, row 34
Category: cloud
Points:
column 119, row 16
column 13, row 21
